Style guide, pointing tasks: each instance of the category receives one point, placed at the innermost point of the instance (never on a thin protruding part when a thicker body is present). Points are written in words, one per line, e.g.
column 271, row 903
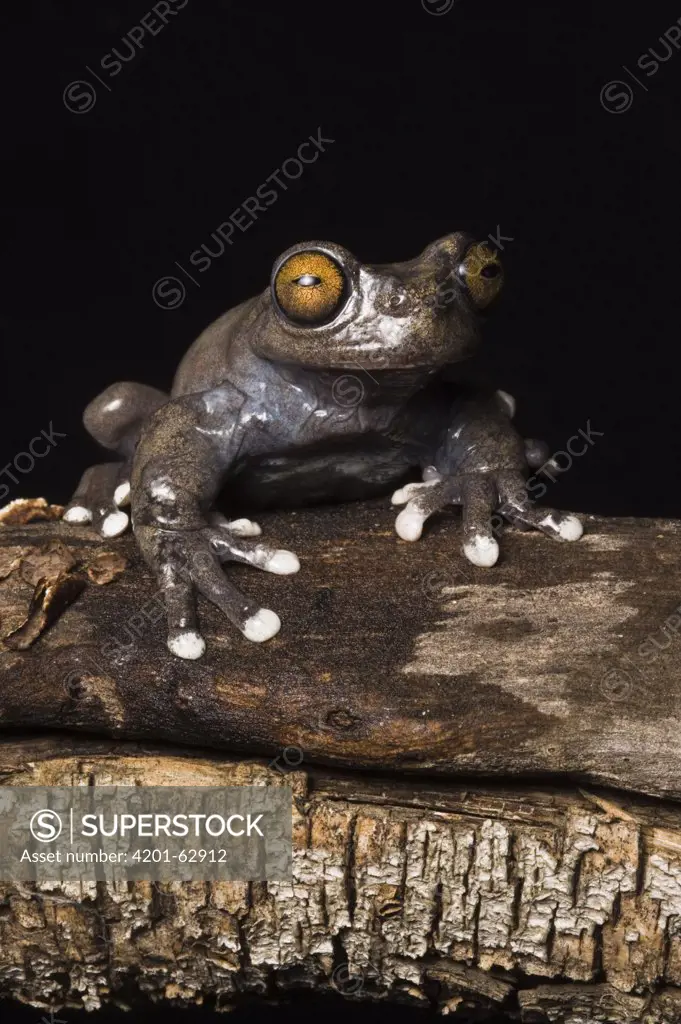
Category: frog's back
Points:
column 207, row 361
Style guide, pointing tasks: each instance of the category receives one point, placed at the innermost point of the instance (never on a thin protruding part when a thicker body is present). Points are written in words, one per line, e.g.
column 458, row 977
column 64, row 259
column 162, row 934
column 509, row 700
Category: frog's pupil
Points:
column 491, row 270
column 308, row 280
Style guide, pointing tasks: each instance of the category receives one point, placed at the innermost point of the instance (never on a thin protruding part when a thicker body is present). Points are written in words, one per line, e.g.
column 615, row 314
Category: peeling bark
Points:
column 549, row 904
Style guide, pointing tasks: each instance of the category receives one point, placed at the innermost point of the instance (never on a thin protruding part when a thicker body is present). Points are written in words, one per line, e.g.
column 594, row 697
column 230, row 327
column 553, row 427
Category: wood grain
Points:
column 561, row 663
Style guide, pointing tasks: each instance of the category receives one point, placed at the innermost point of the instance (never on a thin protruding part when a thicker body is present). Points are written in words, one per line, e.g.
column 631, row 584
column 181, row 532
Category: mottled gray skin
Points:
column 267, row 410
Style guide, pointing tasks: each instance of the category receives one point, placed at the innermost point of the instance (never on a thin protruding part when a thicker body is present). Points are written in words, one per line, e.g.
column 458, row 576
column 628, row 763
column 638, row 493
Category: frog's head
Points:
column 324, row 309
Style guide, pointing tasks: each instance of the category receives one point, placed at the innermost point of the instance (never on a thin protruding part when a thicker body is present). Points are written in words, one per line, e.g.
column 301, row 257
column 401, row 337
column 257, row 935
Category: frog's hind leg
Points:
column 114, row 419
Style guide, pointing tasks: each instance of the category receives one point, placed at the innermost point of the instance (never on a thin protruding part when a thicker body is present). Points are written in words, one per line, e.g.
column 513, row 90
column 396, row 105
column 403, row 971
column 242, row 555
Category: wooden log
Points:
column 544, row 903
column 485, row 765
column 560, row 662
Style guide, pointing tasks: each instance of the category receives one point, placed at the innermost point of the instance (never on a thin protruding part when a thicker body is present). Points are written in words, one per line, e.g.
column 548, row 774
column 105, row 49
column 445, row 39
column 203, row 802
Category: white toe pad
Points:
column 244, row 528
column 409, row 524
column 482, row 551
column 569, row 528
column 189, row 646
column 114, row 524
column 282, row 562
column 122, row 493
column 262, row 626
column 78, row 514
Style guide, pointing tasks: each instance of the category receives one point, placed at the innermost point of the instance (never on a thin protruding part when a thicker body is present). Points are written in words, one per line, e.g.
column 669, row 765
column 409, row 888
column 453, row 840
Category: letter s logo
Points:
column 46, row 826
column 169, row 292
column 79, row 97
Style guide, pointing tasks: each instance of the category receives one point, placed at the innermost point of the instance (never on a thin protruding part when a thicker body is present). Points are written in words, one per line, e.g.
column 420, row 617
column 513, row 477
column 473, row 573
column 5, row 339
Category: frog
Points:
column 341, row 381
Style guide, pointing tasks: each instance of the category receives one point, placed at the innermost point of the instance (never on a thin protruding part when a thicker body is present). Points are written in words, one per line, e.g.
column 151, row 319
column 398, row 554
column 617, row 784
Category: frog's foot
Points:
column 188, row 563
column 480, row 495
column 102, row 491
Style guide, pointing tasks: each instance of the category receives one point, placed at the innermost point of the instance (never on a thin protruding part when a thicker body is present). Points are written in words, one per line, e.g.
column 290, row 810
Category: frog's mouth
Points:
column 417, row 356
column 377, row 384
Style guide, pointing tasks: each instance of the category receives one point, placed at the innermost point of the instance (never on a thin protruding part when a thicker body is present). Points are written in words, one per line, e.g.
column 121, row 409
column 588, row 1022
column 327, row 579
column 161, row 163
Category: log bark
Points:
column 560, row 662
column 486, row 767
column 547, row 904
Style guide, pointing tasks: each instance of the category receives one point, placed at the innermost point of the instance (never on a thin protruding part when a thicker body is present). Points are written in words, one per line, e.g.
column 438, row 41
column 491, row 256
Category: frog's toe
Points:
column 519, row 509
column 184, row 639
column 189, row 645
column 559, row 525
column 254, row 622
column 237, row 527
column 481, row 550
column 262, row 626
column 77, row 513
column 282, row 562
column 190, row 563
column 122, row 494
column 406, row 493
column 562, row 526
column 97, row 499
column 244, row 528
column 107, row 520
column 231, row 547
column 113, row 524
column 409, row 523
column 422, row 501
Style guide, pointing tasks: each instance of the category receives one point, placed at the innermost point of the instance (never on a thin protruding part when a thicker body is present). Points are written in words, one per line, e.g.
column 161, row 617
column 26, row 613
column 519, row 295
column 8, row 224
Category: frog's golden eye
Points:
column 310, row 287
column 482, row 274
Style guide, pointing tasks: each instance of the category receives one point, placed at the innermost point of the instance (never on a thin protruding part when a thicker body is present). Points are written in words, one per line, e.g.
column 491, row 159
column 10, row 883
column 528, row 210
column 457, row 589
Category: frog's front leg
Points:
column 482, row 465
column 181, row 463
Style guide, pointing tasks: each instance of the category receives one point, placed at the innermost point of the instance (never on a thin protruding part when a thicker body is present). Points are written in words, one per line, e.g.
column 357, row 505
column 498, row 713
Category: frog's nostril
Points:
column 398, row 300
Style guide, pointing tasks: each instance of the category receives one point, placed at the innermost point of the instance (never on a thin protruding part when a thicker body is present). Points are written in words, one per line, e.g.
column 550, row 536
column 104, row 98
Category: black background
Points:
column 487, row 118
column 483, row 118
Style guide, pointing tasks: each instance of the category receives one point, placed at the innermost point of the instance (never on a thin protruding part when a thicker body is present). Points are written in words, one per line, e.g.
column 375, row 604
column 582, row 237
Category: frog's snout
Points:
column 396, row 298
